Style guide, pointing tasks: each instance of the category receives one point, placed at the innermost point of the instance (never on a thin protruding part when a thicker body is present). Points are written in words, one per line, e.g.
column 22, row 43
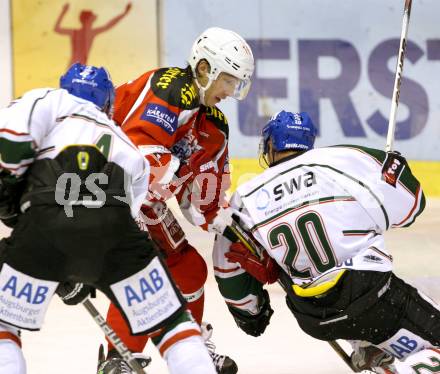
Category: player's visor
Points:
column 235, row 87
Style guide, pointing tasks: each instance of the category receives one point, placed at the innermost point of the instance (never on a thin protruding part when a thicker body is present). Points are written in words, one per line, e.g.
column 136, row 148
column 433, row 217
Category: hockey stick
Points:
column 113, row 337
column 398, row 77
column 284, row 280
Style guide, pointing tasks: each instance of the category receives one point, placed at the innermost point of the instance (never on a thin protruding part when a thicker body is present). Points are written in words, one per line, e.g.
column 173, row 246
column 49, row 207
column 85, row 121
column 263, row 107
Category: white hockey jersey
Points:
column 45, row 121
column 423, row 362
column 319, row 212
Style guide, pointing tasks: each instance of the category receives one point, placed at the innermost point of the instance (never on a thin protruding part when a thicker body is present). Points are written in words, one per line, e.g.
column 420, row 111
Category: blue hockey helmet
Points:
column 289, row 131
column 90, row 83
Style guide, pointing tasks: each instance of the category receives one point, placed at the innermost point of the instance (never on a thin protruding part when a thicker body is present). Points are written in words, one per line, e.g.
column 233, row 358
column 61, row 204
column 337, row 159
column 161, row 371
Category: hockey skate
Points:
column 114, row 364
column 223, row 364
column 373, row 359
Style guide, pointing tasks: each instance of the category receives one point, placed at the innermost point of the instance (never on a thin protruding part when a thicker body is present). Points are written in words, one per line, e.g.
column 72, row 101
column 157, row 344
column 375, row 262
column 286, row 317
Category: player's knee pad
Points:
column 189, row 355
column 11, row 358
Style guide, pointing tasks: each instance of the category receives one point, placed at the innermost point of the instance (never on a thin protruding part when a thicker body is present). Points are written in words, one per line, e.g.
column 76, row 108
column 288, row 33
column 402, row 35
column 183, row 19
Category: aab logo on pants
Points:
column 147, row 286
column 24, row 299
column 32, row 294
column 147, row 297
column 403, row 344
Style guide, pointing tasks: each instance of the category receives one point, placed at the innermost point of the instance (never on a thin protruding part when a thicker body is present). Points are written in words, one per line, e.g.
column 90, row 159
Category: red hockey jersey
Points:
column 161, row 113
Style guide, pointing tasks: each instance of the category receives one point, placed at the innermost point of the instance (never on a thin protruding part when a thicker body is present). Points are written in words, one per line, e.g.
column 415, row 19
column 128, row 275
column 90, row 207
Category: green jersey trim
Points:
column 407, row 179
column 421, row 209
column 238, row 286
column 14, row 153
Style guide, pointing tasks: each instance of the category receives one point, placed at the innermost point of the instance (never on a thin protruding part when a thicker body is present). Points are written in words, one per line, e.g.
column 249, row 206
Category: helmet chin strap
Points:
column 202, row 90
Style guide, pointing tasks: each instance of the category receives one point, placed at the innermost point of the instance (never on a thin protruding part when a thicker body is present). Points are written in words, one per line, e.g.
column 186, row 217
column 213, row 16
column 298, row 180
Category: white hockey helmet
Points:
column 227, row 52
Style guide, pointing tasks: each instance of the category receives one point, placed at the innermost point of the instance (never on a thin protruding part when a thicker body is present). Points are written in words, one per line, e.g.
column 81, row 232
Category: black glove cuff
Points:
column 254, row 325
column 73, row 293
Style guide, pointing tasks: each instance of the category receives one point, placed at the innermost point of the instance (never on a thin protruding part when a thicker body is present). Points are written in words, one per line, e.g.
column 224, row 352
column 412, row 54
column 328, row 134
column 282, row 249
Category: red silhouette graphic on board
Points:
column 81, row 39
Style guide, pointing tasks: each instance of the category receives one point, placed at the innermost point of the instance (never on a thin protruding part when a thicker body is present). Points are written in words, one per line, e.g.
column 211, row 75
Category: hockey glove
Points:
column 74, row 293
column 265, row 270
column 11, row 190
column 254, row 325
column 392, row 167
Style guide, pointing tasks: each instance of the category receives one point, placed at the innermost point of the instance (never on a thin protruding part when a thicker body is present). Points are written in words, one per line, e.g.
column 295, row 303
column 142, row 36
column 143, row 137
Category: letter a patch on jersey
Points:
column 148, row 297
column 23, row 299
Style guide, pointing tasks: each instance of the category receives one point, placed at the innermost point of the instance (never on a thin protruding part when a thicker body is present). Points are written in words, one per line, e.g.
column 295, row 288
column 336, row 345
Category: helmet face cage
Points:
column 90, row 83
column 227, row 52
column 288, row 131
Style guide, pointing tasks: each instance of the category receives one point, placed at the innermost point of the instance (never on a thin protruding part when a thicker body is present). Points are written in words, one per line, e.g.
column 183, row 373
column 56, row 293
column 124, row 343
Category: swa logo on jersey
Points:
column 160, row 116
column 138, row 293
column 295, row 184
column 28, row 292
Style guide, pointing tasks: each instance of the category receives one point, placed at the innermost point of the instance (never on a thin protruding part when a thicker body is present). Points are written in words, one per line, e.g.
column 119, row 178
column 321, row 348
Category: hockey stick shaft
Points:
column 113, row 337
column 284, row 281
column 342, row 354
column 398, row 77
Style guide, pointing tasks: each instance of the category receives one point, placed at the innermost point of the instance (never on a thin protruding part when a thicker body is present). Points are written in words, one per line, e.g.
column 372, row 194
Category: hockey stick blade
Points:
column 113, row 337
column 398, row 76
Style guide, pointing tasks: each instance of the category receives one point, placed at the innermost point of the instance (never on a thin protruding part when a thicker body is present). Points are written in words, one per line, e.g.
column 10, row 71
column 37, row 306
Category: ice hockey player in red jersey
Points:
column 171, row 115
column 318, row 216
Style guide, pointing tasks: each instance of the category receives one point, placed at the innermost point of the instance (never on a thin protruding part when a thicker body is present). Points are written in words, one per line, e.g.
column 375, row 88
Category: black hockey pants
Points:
column 369, row 306
column 95, row 246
